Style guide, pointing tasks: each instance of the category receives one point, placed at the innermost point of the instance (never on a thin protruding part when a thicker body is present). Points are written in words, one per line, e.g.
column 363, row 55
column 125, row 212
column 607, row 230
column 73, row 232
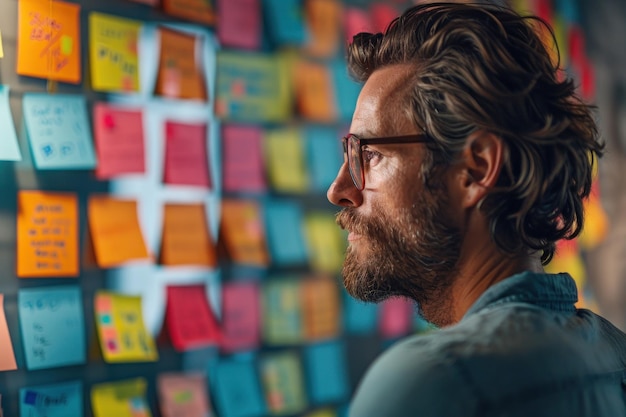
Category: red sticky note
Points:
column 243, row 159
column 240, row 316
column 240, row 23
column 189, row 319
column 396, row 317
column 186, row 160
column 355, row 21
column 382, row 14
column 119, row 141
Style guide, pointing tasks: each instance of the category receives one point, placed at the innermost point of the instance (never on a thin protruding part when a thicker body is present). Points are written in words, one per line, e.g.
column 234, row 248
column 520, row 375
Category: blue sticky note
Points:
column 52, row 326
column 9, row 148
column 58, row 400
column 58, row 131
column 237, row 389
column 359, row 317
column 325, row 156
column 327, row 372
column 346, row 90
column 285, row 21
column 284, row 228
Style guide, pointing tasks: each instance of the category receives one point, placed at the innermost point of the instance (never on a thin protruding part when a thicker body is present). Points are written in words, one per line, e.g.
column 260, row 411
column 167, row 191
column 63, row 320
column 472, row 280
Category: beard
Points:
column 413, row 254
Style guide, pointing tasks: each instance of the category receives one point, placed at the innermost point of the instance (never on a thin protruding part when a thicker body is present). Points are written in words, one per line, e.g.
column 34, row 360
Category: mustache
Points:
column 349, row 220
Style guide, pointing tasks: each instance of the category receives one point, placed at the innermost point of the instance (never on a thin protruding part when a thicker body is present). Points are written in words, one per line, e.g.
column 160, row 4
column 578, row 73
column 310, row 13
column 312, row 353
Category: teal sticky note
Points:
column 325, row 156
column 237, row 389
column 359, row 317
column 286, row 24
column 9, row 148
column 52, row 326
column 284, row 228
column 327, row 373
column 346, row 90
column 58, row 400
column 58, row 131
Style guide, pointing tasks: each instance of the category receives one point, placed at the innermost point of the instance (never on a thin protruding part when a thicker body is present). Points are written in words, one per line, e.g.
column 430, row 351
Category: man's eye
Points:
column 370, row 156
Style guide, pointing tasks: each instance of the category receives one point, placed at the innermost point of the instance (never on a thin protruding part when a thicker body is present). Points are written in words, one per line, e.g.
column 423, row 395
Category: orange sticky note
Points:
column 119, row 141
column 200, row 11
column 180, row 74
column 48, row 43
column 186, row 155
column 314, row 92
column 320, row 308
column 324, row 24
column 115, row 231
column 47, row 234
column 186, row 239
column 243, row 233
column 189, row 319
column 7, row 358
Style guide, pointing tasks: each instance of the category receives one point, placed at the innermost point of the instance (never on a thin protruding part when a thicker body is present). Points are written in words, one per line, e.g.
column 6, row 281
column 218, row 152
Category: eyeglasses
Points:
column 353, row 145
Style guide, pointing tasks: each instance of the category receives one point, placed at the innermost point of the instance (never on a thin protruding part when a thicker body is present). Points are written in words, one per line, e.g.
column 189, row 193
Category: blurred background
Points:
column 167, row 246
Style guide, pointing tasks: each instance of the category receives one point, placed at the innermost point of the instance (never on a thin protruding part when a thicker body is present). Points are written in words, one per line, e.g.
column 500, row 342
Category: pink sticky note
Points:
column 240, row 316
column 243, row 161
column 395, row 317
column 382, row 14
column 118, row 136
column 239, row 23
column 356, row 21
column 7, row 358
column 186, row 160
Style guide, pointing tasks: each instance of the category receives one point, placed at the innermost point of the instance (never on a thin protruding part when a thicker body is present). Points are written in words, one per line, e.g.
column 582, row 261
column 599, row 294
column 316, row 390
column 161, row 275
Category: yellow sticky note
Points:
column 113, row 53
column 325, row 241
column 115, row 231
column 47, row 234
column 283, row 148
column 121, row 330
column 1, row 49
column 121, row 399
column 48, row 44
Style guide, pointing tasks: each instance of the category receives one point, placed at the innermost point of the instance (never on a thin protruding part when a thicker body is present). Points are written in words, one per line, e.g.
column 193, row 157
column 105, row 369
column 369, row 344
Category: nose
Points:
column 342, row 191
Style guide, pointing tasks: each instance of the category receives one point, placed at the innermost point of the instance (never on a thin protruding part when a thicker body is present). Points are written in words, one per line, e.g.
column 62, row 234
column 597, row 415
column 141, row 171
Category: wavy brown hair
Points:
column 485, row 67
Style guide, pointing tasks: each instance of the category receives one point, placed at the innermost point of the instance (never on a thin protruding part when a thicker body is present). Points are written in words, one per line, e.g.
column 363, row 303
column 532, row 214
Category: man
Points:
column 469, row 157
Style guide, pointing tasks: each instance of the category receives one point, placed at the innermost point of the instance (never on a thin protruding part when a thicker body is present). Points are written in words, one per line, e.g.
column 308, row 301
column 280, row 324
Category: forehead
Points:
column 381, row 107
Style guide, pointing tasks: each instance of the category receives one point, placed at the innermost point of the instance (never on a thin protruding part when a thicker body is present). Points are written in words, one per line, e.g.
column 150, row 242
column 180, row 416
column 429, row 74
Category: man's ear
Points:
column 481, row 163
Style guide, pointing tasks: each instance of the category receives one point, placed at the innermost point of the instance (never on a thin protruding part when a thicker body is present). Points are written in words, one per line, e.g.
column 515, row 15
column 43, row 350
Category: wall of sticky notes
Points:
column 165, row 239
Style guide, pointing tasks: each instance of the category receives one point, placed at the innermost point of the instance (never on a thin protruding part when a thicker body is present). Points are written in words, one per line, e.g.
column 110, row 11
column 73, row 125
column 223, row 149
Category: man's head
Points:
column 506, row 138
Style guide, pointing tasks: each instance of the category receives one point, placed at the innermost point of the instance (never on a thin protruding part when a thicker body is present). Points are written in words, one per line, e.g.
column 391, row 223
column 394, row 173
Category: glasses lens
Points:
column 354, row 161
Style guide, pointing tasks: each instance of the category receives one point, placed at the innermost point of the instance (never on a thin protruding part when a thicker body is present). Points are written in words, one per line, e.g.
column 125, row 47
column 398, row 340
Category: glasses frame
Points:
column 348, row 143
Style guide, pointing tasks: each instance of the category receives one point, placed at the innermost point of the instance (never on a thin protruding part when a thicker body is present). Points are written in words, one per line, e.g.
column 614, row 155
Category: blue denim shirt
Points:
column 522, row 350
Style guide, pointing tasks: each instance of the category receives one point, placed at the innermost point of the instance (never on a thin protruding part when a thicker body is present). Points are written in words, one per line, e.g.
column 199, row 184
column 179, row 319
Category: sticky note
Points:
column 115, row 231
column 320, row 307
column 382, row 14
column 241, row 324
column 1, row 48
column 324, row 412
column 185, row 238
column 7, row 359
column 58, row 130
column 346, row 90
column 126, row 398
column 236, row 388
column 200, row 11
column 396, row 317
column 324, row 155
column 253, row 87
column 48, row 44
column 56, row 400
column 283, row 385
column 323, row 19
column 52, row 326
column 359, row 317
column 242, row 232
column 47, row 234
column 285, row 160
column 282, row 312
column 121, row 331
column 190, row 321
column 180, row 74
column 356, row 20
column 314, row 92
column 183, row 395
column 186, row 157
column 243, row 167
column 285, row 232
column 9, row 148
column 285, row 21
column 119, row 140
column 326, row 242
column 326, row 371
column 113, row 56
column 240, row 23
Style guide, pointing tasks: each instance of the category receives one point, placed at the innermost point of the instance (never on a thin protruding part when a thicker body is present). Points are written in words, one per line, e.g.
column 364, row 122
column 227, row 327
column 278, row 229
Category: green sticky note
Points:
column 66, row 45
